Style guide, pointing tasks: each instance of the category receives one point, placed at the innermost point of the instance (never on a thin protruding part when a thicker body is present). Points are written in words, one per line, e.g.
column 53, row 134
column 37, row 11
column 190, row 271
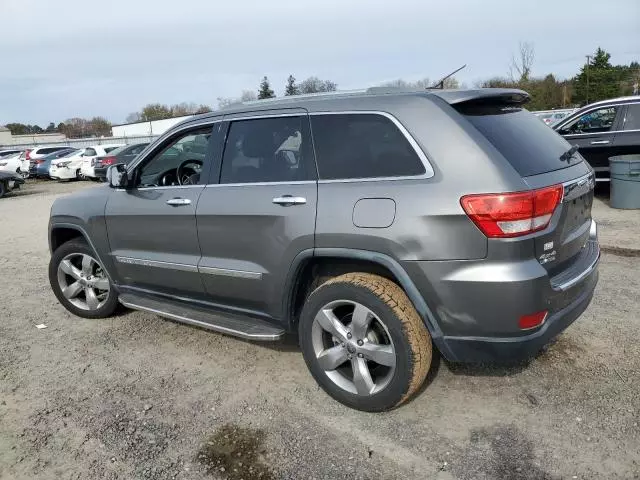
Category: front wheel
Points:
column 364, row 342
column 80, row 282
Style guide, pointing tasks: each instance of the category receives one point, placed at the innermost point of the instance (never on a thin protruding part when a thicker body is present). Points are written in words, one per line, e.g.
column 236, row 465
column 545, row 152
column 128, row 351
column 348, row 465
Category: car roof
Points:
column 370, row 98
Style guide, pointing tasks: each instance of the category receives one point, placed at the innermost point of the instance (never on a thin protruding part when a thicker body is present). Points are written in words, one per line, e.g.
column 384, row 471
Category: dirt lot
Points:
column 141, row 397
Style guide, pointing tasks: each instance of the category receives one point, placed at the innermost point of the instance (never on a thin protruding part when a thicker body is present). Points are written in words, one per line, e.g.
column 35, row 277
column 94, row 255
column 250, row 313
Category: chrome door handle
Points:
column 600, row 142
column 288, row 200
column 177, row 202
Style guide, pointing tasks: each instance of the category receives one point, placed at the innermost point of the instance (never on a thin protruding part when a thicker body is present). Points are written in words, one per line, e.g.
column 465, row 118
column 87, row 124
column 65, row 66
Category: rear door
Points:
column 594, row 132
column 259, row 210
column 627, row 141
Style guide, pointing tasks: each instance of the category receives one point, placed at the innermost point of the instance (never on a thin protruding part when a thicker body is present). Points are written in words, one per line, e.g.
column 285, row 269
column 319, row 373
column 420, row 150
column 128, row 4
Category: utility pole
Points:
column 588, row 62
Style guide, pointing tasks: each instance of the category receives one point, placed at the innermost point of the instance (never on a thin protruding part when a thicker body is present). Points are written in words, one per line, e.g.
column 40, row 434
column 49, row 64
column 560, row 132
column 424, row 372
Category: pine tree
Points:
column 265, row 89
column 291, row 88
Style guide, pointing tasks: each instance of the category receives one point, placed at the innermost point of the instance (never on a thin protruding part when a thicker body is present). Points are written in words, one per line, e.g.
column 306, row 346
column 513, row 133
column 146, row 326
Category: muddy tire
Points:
column 364, row 342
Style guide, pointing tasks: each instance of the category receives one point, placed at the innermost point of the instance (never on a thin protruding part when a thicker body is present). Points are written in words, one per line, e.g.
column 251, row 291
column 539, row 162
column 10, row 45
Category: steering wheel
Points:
column 183, row 177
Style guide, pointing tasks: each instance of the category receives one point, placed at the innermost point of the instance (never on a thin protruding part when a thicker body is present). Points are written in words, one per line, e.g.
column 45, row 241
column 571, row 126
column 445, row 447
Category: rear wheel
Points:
column 80, row 282
column 364, row 342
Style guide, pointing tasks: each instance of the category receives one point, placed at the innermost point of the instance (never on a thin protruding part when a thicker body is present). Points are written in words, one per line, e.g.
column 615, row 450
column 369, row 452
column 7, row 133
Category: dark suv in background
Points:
column 603, row 130
column 375, row 224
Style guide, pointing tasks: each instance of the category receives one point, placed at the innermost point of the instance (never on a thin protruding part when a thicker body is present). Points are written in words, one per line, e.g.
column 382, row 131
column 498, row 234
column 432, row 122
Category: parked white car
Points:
column 88, row 168
column 11, row 162
column 72, row 166
column 67, row 167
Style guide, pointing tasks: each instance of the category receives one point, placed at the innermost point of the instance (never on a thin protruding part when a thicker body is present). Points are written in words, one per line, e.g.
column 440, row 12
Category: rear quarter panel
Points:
column 429, row 223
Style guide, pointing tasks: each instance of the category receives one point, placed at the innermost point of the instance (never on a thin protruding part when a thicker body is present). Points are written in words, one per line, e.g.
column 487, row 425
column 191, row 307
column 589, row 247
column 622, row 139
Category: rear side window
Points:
column 90, row 152
column 110, row 149
column 528, row 144
column 368, row 145
column 632, row 118
column 267, row 150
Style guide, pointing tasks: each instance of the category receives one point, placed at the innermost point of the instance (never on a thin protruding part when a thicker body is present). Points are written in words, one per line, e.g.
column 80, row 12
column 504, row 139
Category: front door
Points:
column 258, row 212
column 594, row 133
column 152, row 225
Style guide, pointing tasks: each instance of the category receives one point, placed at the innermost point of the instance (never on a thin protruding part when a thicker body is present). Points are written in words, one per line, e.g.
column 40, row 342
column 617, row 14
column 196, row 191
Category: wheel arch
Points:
column 307, row 268
column 61, row 233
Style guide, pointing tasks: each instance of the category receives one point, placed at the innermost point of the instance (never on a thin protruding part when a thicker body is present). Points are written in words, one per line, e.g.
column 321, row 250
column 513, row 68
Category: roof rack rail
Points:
column 293, row 98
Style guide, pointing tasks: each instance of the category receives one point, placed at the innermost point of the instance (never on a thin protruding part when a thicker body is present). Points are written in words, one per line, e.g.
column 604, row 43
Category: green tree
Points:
column 50, row 128
column 155, row 111
column 18, row 128
column 597, row 80
column 36, row 129
column 291, row 88
column 265, row 90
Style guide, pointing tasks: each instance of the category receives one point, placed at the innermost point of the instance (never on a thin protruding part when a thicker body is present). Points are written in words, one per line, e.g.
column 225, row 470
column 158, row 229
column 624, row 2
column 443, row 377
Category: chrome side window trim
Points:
column 154, row 263
column 230, row 273
column 429, row 172
column 299, row 182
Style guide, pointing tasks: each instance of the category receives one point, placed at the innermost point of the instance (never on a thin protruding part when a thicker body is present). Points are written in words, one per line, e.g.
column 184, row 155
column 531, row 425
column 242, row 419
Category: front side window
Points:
column 351, row 146
column 632, row 118
column 178, row 163
column 267, row 150
column 595, row 121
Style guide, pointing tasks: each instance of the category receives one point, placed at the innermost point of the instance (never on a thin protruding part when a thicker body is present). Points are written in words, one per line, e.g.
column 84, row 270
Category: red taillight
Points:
column 109, row 160
column 38, row 162
column 27, row 154
column 504, row 215
column 532, row 321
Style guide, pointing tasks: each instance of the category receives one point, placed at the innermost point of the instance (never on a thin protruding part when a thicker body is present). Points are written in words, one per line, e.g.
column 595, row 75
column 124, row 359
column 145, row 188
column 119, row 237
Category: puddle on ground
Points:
column 235, row 453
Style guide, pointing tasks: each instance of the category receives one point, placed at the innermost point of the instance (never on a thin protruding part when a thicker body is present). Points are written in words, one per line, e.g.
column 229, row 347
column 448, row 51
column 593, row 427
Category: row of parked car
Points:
column 67, row 163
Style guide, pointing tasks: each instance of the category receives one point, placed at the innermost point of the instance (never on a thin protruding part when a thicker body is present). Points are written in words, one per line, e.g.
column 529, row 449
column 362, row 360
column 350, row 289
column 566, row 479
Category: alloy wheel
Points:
column 83, row 281
column 353, row 347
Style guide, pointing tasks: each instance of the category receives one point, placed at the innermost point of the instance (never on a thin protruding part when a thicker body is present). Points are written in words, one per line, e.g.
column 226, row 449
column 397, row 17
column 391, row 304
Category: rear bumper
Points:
column 508, row 349
column 88, row 171
column 477, row 304
column 62, row 173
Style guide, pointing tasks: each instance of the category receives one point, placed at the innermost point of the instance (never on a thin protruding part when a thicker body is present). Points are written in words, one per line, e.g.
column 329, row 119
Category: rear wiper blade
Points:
column 566, row 156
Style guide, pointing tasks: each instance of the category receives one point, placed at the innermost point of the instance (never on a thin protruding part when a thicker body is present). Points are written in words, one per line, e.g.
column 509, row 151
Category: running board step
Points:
column 236, row 325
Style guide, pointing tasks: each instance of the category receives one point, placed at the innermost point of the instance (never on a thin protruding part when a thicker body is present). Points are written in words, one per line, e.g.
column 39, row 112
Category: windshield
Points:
column 527, row 143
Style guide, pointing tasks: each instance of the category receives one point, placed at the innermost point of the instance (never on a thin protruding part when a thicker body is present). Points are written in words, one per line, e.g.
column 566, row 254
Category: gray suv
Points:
column 377, row 225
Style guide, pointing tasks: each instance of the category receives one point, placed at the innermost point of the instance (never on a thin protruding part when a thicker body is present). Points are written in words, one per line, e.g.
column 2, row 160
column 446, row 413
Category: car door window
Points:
column 595, row 121
column 274, row 149
column 632, row 118
column 90, row 152
column 351, row 146
column 186, row 151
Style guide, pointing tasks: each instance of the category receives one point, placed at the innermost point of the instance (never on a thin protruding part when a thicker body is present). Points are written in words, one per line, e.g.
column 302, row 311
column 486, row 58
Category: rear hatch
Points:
column 537, row 153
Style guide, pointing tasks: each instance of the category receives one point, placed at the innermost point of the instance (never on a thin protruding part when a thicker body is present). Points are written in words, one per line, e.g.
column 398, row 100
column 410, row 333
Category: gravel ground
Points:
column 138, row 397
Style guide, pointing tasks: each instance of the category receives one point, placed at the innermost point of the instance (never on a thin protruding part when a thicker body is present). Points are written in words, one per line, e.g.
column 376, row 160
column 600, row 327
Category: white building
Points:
column 139, row 129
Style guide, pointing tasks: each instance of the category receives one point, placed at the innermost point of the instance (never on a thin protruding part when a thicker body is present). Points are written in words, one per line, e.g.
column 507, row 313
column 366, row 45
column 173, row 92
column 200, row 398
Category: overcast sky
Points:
column 66, row 58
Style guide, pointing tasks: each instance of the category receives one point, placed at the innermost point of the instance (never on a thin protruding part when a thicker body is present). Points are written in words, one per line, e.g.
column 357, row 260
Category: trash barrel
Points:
column 625, row 181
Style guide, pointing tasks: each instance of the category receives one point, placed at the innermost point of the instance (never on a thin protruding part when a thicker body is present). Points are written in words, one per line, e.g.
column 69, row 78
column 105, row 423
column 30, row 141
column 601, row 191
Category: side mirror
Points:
column 117, row 176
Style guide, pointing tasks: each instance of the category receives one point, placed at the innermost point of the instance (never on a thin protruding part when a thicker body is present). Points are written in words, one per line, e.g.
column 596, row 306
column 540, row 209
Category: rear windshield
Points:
column 530, row 146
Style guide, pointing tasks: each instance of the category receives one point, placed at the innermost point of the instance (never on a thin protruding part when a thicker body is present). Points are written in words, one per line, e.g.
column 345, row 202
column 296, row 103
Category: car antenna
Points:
column 440, row 83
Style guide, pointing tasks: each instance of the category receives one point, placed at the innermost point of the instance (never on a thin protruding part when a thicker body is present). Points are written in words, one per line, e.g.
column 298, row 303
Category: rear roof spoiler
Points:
column 502, row 96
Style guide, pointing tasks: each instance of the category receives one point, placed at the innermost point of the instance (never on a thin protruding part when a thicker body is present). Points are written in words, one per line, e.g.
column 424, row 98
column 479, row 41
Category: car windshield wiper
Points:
column 566, row 156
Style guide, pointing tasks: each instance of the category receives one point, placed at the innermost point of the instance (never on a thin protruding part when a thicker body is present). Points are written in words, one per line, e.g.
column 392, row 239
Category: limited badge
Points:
column 548, row 246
